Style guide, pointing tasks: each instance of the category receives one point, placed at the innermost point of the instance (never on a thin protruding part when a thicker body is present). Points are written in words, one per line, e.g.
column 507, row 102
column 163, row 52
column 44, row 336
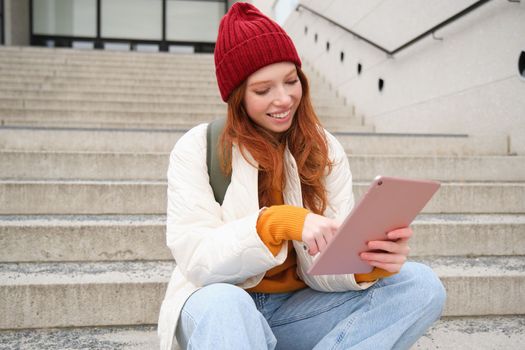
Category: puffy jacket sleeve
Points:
column 340, row 202
column 206, row 249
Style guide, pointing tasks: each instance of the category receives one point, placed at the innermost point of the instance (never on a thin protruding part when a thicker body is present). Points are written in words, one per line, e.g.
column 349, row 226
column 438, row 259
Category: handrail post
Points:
column 98, row 39
column 163, row 46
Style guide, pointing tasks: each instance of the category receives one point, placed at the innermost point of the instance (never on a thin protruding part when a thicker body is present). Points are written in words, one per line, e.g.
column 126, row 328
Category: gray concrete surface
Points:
column 149, row 197
column 134, row 237
column 153, row 166
column 54, row 268
column 64, row 138
column 505, row 333
column 35, row 295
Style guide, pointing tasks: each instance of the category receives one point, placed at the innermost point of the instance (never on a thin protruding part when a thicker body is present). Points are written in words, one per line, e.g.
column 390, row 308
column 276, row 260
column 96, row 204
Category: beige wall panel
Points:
column 465, row 80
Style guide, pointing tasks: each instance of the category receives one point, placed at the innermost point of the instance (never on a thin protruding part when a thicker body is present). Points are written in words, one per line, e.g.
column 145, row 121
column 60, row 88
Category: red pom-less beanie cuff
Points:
column 248, row 41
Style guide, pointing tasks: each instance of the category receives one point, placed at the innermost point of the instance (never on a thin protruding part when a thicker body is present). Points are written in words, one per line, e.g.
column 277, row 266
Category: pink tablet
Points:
column 390, row 203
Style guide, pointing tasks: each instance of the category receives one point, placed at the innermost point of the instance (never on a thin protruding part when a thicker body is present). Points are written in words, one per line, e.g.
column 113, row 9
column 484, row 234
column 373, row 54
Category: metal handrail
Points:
column 409, row 43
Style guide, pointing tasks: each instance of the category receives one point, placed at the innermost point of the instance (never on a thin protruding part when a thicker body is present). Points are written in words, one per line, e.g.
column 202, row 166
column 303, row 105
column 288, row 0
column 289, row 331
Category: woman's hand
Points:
column 318, row 231
column 394, row 252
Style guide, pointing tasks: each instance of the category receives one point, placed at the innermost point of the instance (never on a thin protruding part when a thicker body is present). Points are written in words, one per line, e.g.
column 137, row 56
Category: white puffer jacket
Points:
column 214, row 244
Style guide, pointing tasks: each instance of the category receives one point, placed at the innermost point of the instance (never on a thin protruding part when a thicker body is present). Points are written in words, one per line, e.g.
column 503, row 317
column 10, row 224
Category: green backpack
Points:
column 218, row 180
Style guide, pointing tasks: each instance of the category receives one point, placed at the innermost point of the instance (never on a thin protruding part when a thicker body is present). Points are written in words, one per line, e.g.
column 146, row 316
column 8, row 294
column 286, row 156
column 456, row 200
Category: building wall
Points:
column 16, row 22
column 265, row 6
column 465, row 80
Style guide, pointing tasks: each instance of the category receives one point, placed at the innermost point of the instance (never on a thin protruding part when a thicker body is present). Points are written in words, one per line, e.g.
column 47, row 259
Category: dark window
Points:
column 521, row 64
column 359, row 68
column 342, row 56
column 167, row 36
column 381, row 84
column 2, row 39
column 315, row 37
column 327, row 46
column 305, row 30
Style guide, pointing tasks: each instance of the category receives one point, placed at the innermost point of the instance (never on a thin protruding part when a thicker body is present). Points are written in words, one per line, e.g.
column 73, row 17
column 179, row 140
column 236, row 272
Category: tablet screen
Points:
column 389, row 203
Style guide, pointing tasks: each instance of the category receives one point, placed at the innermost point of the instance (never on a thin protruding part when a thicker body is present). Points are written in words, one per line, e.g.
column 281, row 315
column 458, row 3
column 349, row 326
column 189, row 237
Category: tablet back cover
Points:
column 390, row 203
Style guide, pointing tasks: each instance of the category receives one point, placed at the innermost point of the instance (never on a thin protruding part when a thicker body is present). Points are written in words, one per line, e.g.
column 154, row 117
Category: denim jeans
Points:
column 392, row 314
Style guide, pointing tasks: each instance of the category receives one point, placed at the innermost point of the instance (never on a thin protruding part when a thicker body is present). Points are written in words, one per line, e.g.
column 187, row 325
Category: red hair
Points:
column 305, row 138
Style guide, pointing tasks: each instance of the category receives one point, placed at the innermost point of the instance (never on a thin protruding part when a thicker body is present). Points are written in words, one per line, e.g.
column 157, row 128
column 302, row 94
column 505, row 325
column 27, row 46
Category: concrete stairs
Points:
column 84, row 147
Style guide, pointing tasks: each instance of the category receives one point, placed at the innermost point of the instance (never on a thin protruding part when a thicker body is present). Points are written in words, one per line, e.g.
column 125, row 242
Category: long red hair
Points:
column 306, row 141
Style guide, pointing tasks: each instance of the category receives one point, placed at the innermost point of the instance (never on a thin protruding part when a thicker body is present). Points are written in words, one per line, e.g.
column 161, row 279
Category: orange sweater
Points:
column 281, row 223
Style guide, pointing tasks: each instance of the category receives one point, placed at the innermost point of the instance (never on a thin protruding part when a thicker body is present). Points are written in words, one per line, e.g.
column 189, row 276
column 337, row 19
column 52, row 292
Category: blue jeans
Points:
column 392, row 314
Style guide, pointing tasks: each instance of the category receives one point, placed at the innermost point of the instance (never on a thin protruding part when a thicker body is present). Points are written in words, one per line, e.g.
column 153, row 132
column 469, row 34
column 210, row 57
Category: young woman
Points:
column 240, row 280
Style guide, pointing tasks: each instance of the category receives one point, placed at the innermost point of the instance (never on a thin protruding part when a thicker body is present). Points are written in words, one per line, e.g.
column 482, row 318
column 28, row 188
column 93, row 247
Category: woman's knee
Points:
column 224, row 315
column 218, row 298
column 424, row 285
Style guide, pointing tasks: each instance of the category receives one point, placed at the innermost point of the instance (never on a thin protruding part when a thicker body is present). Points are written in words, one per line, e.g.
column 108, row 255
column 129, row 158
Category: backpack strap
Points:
column 218, row 180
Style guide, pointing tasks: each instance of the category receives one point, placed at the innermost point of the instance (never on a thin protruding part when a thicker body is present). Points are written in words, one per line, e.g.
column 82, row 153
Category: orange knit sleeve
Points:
column 280, row 223
column 372, row 276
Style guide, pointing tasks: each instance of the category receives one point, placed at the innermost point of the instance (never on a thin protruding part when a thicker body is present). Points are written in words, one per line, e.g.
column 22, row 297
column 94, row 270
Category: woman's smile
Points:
column 280, row 117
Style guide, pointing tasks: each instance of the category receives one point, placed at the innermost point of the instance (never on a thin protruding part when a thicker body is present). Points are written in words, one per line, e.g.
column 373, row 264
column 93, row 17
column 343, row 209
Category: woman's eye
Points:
column 265, row 91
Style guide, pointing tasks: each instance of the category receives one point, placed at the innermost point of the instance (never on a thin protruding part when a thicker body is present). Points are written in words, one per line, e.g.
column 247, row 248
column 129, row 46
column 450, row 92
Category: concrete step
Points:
column 84, row 104
column 118, row 61
column 81, row 86
column 24, row 67
column 88, row 238
column 449, row 333
column 468, row 235
column 112, row 57
column 83, row 165
column 20, row 63
column 93, row 105
column 441, row 168
column 90, row 70
column 98, row 63
column 149, row 197
column 128, row 119
column 55, row 238
column 481, row 285
column 24, row 165
column 469, row 333
column 159, row 140
column 63, row 294
column 129, row 85
column 60, row 73
column 101, row 55
column 167, row 121
column 152, row 87
column 182, row 96
column 81, row 294
column 146, row 96
column 93, row 84
column 102, row 80
column 85, row 338
column 88, row 139
column 82, row 197
column 421, row 144
column 106, row 57
column 175, row 88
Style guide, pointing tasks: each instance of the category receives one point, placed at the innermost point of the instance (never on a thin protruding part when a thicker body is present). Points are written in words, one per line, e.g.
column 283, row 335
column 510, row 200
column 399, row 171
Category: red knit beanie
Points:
column 248, row 41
